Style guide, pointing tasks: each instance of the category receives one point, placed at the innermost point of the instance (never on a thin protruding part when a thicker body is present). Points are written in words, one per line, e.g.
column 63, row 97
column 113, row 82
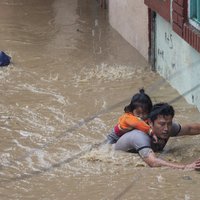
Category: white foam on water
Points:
column 51, row 78
column 97, row 125
column 6, row 129
column 42, row 157
column 160, row 178
column 35, row 120
column 5, row 159
column 59, row 115
column 4, row 73
column 104, row 72
column 25, row 133
column 34, row 137
column 187, row 197
column 34, row 157
column 27, row 148
column 105, row 159
column 59, row 98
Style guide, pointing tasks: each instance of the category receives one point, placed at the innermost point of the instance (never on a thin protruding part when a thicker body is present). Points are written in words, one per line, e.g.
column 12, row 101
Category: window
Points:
column 194, row 13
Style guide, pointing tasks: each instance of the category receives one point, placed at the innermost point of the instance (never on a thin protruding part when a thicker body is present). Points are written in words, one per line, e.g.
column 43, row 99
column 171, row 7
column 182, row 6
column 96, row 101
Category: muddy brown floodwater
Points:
column 70, row 78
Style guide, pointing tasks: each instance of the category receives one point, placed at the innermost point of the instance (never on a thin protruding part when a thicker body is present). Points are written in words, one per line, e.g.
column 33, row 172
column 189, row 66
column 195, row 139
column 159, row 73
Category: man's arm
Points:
column 154, row 161
column 190, row 129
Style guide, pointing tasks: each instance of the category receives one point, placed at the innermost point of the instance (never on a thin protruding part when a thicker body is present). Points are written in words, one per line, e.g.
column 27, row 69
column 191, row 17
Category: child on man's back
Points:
column 134, row 118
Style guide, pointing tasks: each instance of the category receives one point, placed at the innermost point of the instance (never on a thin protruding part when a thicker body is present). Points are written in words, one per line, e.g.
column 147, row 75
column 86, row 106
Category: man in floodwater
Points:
column 160, row 120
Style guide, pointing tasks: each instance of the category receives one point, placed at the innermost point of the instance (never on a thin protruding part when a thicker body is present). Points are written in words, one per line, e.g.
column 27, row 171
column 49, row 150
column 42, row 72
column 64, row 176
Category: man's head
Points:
column 160, row 119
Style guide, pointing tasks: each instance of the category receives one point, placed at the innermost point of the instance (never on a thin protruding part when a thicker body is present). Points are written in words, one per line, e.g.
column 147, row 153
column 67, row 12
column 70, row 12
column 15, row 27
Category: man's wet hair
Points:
column 140, row 99
column 163, row 109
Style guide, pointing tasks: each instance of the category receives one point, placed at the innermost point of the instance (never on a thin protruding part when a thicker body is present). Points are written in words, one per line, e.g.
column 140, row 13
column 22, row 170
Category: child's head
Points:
column 140, row 105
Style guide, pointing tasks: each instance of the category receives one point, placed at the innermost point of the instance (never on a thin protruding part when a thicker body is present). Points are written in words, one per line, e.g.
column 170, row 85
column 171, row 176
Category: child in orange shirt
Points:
column 133, row 118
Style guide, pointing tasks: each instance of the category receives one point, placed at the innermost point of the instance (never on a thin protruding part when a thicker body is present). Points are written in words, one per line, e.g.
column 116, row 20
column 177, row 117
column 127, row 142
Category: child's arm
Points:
column 137, row 123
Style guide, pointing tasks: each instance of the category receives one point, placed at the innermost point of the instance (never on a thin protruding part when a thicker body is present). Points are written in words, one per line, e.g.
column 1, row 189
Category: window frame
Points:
column 179, row 19
column 194, row 13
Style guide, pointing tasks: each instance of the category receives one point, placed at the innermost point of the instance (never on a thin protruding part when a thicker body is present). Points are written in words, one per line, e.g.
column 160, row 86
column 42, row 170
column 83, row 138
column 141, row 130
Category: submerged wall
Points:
column 130, row 19
column 177, row 62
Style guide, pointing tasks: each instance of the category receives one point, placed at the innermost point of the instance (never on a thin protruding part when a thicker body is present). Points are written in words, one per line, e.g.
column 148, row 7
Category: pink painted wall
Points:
column 130, row 19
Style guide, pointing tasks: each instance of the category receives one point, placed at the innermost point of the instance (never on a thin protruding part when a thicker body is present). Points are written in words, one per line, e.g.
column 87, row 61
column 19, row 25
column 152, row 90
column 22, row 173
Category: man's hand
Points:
column 195, row 165
column 153, row 161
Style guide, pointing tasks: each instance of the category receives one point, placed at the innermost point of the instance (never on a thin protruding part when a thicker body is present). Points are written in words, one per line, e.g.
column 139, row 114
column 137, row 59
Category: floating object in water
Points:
column 4, row 59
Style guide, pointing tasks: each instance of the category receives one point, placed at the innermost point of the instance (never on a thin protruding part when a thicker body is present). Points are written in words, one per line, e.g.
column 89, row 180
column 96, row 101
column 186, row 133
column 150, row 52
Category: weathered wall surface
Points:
column 130, row 19
column 177, row 61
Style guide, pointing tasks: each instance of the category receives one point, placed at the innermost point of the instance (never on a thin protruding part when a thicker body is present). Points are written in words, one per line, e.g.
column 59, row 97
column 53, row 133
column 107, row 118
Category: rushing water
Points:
column 70, row 78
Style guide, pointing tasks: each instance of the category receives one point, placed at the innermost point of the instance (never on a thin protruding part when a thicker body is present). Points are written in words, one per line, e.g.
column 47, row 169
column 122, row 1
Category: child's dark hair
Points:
column 140, row 99
column 163, row 109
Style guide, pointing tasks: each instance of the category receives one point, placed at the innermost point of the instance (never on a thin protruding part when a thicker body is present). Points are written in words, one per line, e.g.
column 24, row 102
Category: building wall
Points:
column 130, row 19
column 177, row 61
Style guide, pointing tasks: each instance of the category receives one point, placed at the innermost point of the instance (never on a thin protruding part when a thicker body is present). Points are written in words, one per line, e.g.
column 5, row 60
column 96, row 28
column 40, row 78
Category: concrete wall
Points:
column 177, row 61
column 130, row 19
